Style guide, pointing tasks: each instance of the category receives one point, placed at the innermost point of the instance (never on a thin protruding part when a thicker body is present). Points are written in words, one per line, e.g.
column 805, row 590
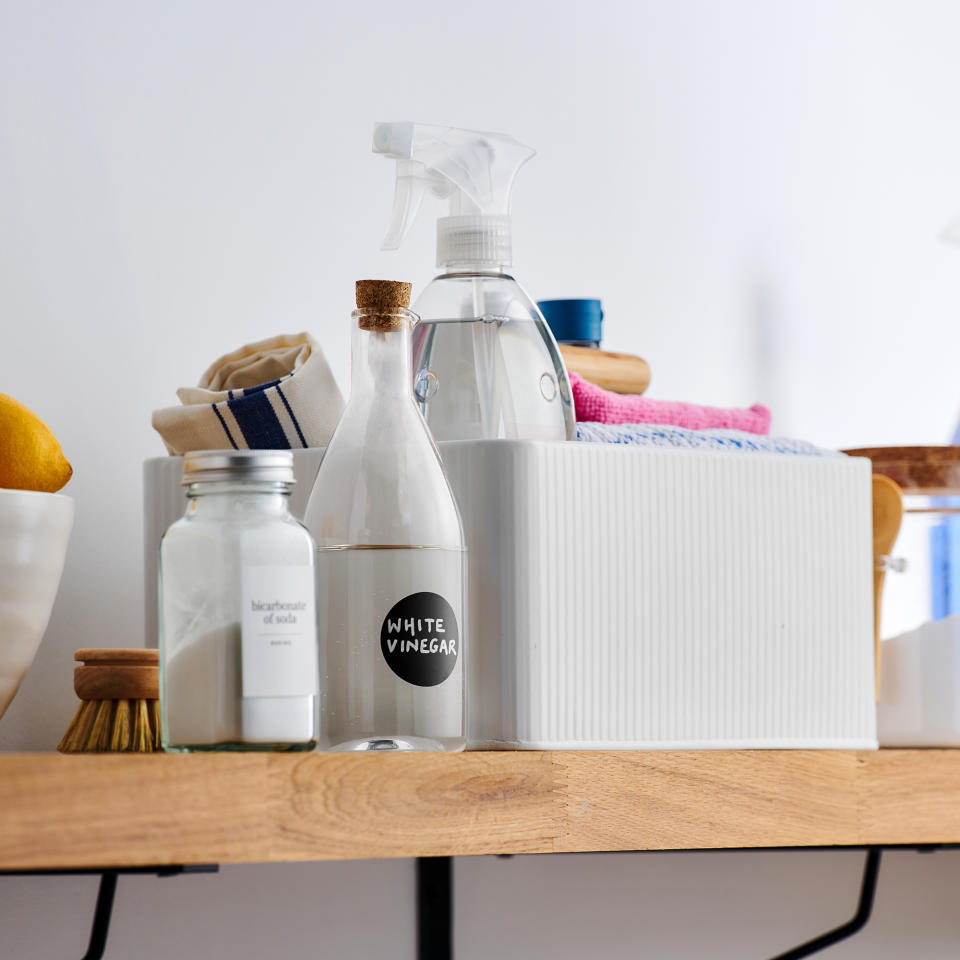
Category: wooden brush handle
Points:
column 116, row 675
column 619, row 372
column 105, row 655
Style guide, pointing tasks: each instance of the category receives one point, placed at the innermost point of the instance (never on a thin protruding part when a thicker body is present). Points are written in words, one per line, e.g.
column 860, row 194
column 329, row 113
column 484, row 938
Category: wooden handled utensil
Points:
column 619, row 372
column 887, row 515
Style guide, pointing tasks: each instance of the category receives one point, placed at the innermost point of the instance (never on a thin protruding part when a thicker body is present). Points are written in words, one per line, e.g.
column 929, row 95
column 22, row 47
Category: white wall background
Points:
column 755, row 190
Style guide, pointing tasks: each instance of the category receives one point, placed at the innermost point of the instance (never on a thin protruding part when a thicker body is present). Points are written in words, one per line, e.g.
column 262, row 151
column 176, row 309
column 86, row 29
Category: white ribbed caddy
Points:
column 635, row 598
column 641, row 598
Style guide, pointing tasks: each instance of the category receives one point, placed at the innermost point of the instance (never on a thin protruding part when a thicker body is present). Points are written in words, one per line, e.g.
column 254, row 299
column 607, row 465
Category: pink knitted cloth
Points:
column 601, row 406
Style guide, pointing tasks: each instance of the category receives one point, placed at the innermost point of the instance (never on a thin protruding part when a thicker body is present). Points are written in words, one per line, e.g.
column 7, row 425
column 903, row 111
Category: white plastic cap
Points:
column 475, row 239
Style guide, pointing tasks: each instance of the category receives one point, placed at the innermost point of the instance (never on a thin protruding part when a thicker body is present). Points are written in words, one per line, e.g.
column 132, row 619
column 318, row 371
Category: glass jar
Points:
column 922, row 582
column 238, row 611
column 919, row 689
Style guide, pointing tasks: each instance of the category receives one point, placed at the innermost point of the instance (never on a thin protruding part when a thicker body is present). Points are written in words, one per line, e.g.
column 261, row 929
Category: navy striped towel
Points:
column 276, row 394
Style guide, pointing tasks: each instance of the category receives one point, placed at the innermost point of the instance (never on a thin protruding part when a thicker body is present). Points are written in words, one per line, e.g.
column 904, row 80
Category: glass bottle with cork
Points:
column 391, row 553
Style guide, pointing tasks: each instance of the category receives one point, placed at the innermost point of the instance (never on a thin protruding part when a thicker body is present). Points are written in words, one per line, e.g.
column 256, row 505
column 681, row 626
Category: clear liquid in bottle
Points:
column 485, row 365
column 393, row 631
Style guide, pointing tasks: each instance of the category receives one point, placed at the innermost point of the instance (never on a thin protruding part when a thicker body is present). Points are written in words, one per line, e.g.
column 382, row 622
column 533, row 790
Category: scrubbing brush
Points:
column 120, row 712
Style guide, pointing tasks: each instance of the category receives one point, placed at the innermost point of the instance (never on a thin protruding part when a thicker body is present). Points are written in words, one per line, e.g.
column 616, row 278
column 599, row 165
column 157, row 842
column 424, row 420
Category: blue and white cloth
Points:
column 730, row 441
column 276, row 394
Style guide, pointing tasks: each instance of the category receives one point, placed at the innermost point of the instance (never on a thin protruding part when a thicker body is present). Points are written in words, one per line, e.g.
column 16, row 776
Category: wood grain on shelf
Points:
column 81, row 811
column 758, row 798
column 911, row 796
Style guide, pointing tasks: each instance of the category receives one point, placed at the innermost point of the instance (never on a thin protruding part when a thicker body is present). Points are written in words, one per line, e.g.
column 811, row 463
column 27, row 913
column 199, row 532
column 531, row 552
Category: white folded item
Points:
column 729, row 441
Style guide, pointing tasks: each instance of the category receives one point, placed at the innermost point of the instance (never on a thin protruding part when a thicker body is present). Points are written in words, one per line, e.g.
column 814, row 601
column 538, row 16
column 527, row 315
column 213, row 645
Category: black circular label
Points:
column 420, row 639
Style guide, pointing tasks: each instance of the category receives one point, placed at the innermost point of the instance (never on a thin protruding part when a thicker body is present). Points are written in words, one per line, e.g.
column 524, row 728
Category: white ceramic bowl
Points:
column 34, row 531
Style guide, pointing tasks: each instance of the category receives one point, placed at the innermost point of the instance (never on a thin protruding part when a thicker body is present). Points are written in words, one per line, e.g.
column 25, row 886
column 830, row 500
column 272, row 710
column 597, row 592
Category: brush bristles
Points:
column 79, row 730
column 140, row 729
column 154, row 709
column 120, row 728
column 113, row 726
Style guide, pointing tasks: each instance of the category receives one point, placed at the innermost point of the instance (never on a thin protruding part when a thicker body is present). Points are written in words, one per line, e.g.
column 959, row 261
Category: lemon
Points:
column 30, row 457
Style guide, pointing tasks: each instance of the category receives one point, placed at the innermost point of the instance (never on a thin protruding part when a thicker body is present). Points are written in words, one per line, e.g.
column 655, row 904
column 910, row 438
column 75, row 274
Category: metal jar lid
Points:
column 931, row 471
column 203, row 466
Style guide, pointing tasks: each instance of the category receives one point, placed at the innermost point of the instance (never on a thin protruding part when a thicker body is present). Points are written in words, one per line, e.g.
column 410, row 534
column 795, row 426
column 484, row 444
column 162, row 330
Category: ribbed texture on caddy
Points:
column 667, row 598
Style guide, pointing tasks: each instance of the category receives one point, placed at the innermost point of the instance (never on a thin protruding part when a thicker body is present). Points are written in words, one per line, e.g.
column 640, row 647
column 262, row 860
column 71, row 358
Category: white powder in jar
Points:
column 202, row 683
column 205, row 703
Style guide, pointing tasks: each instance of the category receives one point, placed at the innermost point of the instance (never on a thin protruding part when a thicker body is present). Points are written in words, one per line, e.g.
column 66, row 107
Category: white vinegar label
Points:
column 279, row 632
column 420, row 639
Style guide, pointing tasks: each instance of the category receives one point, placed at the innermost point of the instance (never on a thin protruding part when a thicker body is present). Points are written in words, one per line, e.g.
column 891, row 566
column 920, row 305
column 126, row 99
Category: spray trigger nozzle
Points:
column 473, row 170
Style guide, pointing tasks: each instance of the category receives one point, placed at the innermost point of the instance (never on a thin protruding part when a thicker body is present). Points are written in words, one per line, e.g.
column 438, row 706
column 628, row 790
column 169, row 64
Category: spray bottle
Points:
column 485, row 364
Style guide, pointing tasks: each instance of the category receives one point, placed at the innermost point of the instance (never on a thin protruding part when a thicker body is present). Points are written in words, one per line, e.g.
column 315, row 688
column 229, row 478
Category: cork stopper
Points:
column 382, row 304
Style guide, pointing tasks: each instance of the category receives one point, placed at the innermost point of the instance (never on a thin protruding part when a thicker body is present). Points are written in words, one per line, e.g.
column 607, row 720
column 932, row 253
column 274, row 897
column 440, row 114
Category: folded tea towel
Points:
column 593, row 403
column 270, row 395
column 732, row 441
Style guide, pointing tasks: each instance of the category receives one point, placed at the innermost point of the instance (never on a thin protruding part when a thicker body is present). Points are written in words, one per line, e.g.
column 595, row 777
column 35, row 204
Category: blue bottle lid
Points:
column 573, row 320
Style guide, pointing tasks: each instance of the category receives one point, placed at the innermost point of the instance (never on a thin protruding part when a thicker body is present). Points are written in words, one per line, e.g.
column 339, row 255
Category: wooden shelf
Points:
column 83, row 811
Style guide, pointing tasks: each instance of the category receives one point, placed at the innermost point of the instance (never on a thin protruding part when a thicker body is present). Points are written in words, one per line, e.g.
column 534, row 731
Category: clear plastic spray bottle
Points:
column 485, row 364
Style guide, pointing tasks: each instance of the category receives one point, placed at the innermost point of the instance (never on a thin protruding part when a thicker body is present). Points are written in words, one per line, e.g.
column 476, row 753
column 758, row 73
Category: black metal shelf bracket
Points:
column 435, row 909
column 868, row 888
column 101, row 916
column 107, row 891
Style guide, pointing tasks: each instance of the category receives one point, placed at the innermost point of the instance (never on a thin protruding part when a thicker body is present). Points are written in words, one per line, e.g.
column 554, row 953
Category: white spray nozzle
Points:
column 473, row 169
